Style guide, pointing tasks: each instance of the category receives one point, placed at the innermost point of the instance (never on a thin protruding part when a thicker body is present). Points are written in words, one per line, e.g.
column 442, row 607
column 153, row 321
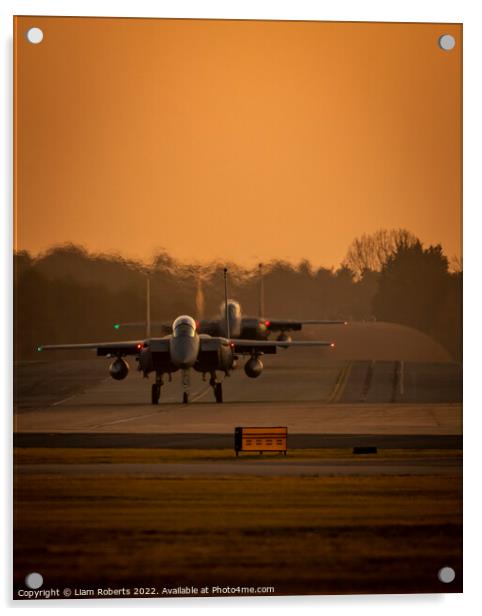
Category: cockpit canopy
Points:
column 184, row 326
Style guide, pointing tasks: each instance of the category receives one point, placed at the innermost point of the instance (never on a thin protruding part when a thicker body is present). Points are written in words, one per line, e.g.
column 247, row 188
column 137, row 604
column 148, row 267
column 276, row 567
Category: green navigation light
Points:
column 39, row 348
column 117, row 326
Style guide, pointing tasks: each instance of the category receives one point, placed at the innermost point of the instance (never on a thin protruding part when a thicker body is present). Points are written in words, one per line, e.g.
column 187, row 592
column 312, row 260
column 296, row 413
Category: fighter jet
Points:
column 243, row 327
column 186, row 349
column 255, row 328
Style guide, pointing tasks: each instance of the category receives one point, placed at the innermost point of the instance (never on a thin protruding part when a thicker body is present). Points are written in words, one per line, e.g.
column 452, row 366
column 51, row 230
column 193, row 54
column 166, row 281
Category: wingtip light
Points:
column 332, row 345
column 116, row 325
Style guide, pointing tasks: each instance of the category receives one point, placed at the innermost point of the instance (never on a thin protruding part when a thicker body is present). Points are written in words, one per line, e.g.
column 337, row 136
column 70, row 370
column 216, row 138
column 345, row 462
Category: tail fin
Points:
column 199, row 299
column 226, row 315
column 261, row 291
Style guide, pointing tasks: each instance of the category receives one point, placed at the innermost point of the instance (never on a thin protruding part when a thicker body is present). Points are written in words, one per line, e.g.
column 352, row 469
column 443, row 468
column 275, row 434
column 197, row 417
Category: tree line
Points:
column 70, row 295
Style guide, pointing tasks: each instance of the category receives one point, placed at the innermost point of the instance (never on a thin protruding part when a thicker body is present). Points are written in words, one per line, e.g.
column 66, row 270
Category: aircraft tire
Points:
column 218, row 392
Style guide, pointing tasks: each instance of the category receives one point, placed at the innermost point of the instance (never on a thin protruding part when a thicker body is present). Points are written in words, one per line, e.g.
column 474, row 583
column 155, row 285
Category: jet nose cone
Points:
column 184, row 351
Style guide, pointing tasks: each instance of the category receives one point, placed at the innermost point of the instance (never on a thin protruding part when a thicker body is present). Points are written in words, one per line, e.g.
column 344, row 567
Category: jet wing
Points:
column 165, row 327
column 278, row 325
column 323, row 322
column 126, row 347
column 211, row 328
column 270, row 346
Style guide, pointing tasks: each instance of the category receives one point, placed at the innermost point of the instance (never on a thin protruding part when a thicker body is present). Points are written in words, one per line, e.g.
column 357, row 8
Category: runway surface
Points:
column 306, row 468
column 172, row 440
column 309, row 395
column 292, row 376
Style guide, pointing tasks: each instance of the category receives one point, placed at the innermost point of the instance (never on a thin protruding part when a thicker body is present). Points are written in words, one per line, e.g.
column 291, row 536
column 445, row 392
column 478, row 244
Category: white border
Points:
column 465, row 11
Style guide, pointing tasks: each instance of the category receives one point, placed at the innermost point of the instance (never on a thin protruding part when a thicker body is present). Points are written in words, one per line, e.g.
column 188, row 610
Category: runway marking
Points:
column 125, row 420
column 201, row 393
column 77, row 393
column 340, row 384
column 402, row 378
column 368, row 380
column 398, row 377
column 195, row 397
column 65, row 399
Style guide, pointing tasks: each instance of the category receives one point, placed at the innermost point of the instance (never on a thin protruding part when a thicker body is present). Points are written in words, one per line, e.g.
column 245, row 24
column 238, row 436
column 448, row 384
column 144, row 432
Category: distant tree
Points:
column 371, row 252
column 447, row 322
column 455, row 265
column 366, row 288
column 22, row 261
column 305, row 269
column 69, row 294
column 412, row 286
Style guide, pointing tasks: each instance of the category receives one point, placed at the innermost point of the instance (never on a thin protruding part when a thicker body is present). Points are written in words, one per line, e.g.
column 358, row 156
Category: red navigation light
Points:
column 267, row 323
column 140, row 345
column 345, row 322
column 198, row 325
column 332, row 345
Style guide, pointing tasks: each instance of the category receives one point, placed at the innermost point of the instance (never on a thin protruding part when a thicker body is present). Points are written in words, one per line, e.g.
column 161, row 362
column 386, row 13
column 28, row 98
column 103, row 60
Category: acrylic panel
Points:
column 237, row 287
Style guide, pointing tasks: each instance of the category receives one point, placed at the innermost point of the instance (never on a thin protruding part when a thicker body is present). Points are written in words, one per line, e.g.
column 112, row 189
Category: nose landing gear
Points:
column 186, row 385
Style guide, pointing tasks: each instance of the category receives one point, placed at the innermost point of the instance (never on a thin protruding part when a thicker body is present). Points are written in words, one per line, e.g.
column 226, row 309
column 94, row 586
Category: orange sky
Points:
column 235, row 139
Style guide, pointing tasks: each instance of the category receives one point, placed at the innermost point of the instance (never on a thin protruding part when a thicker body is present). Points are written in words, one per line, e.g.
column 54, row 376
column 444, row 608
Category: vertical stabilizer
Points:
column 226, row 315
column 261, row 291
column 199, row 299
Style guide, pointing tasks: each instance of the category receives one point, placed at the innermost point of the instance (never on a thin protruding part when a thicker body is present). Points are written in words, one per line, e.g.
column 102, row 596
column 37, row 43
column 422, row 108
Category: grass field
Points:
column 298, row 534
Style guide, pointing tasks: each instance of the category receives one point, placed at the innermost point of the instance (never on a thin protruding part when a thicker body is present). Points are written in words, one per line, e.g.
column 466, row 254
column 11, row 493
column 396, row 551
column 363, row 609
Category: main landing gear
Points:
column 217, row 388
column 218, row 392
column 155, row 393
column 215, row 384
column 156, row 390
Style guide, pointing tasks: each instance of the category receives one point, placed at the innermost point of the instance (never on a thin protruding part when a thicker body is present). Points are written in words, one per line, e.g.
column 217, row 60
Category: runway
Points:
column 309, row 395
column 206, row 441
column 266, row 468
column 301, row 375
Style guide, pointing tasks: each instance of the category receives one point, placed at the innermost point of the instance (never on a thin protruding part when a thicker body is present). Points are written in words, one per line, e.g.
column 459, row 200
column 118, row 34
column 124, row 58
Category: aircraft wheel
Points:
column 185, row 398
column 155, row 393
column 218, row 392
